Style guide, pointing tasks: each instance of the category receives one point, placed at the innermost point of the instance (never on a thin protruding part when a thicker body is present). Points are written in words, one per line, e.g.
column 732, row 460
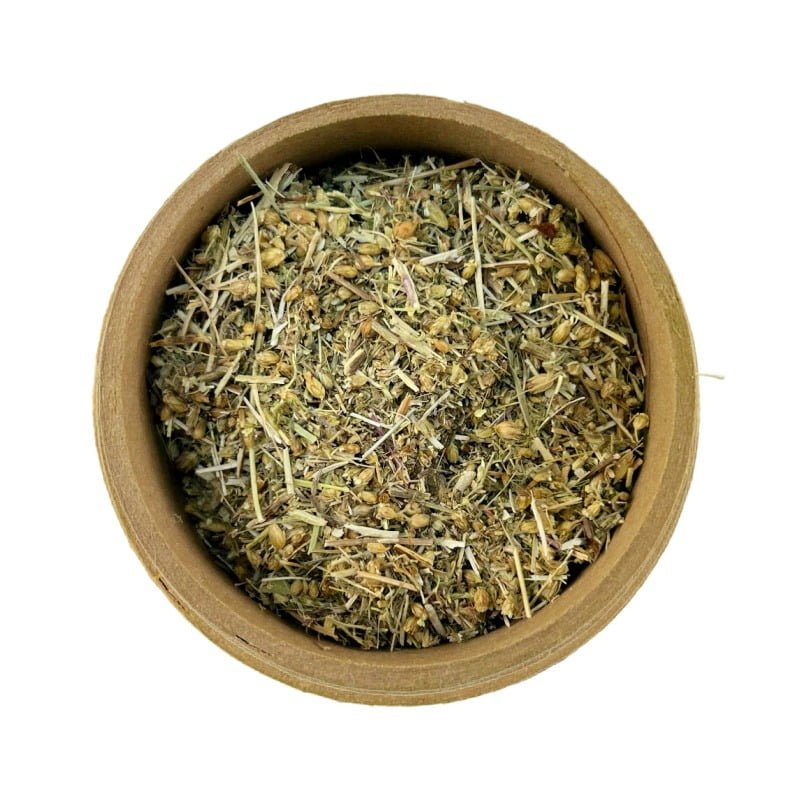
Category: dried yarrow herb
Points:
column 405, row 399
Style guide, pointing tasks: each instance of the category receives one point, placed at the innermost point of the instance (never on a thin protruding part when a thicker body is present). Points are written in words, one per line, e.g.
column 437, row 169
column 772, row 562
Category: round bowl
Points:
column 150, row 508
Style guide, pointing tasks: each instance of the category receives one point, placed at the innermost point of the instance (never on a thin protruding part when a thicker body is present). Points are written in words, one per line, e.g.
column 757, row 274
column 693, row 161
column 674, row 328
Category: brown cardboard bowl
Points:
column 150, row 508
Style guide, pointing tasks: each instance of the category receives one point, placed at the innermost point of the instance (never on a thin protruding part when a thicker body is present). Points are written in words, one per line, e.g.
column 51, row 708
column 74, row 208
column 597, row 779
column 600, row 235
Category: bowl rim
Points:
column 445, row 672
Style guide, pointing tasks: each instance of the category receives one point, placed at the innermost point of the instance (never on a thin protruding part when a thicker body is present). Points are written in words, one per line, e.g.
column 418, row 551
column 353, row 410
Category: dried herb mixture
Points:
column 405, row 399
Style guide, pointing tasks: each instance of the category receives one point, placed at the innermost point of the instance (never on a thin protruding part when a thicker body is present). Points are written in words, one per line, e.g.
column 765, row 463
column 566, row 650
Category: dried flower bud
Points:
column 419, row 521
column 640, row 422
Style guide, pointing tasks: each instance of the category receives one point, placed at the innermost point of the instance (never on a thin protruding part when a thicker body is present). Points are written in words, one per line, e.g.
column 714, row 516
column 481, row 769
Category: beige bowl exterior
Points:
column 150, row 509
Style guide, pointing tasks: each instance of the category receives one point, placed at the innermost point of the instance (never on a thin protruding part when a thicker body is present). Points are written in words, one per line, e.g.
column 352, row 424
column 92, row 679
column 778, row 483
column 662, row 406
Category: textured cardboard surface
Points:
column 150, row 510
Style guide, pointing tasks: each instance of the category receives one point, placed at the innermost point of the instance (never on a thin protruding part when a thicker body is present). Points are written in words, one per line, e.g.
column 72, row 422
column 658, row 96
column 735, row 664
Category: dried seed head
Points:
column 508, row 430
column 593, row 509
column 464, row 481
column 269, row 217
column 441, row 325
column 293, row 293
column 561, row 332
column 481, row 600
column 540, row 383
column 210, row 234
column 419, row 521
column 485, row 345
column 235, row 345
column 241, row 289
column 338, row 224
column 604, row 265
column 267, row 358
column 529, row 205
column 301, row 216
column 346, row 270
column 276, row 536
column 405, row 230
column 174, row 403
column 368, row 307
column 364, row 476
column 386, row 511
column 436, row 215
column 509, row 607
column 565, row 275
column 640, row 422
column 272, row 256
column 314, row 386
column 562, row 241
column 581, row 282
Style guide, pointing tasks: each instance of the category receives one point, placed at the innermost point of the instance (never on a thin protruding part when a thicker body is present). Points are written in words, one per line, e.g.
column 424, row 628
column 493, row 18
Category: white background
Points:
column 692, row 690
